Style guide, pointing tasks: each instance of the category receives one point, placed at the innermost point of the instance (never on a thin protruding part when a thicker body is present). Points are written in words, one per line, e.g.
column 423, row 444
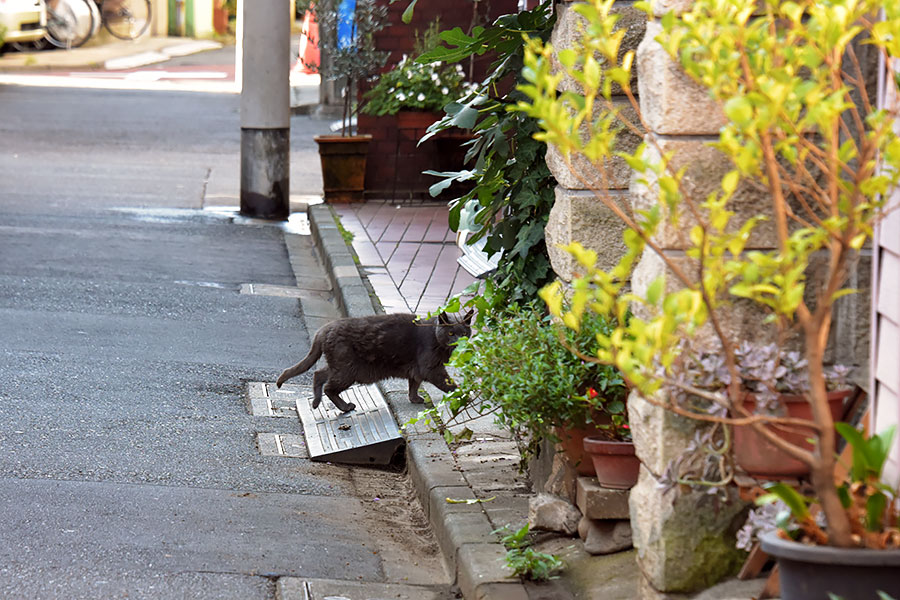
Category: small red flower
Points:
column 592, row 393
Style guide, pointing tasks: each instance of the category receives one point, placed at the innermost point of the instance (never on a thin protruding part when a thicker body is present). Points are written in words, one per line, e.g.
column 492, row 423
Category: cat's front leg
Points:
column 414, row 396
column 442, row 381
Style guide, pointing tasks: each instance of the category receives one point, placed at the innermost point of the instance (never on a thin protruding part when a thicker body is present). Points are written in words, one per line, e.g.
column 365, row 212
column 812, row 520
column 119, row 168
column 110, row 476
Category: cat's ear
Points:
column 444, row 319
column 467, row 318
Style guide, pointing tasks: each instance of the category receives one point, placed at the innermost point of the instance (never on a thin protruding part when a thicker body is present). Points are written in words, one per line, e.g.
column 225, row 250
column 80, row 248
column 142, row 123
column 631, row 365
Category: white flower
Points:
column 420, row 97
column 445, row 91
column 401, row 96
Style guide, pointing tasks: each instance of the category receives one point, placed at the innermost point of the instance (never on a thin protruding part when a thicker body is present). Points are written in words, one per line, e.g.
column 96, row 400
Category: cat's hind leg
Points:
column 414, row 396
column 333, row 387
column 319, row 379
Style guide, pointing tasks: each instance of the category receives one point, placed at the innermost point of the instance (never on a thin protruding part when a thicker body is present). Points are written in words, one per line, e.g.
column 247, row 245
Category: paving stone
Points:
column 483, row 573
column 459, row 497
column 314, row 324
column 296, row 588
column 509, row 590
column 317, row 307
column 312, row 282
column 455, row 530
column 491, row 465
column 430, row 468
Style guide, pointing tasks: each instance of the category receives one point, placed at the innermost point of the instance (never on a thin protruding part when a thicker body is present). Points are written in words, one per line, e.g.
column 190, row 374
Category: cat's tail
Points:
column 304, row 365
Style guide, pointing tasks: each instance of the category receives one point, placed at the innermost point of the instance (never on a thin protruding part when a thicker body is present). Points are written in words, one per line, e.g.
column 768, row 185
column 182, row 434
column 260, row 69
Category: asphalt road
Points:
column 128, row 463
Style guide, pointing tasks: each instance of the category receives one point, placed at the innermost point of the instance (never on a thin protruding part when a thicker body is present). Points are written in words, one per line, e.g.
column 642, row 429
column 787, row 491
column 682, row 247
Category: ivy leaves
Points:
column 512, row 189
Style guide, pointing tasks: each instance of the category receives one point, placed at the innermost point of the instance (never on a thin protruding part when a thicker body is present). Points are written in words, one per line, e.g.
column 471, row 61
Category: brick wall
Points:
column 395, row 164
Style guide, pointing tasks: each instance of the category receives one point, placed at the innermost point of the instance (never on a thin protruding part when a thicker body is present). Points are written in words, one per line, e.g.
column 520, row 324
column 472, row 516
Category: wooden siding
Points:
column 886, row 305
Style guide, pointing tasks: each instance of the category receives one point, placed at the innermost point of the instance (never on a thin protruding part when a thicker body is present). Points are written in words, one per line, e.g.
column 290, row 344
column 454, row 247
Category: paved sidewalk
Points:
column 148, row 63
column 407, row 252
column 105, row 52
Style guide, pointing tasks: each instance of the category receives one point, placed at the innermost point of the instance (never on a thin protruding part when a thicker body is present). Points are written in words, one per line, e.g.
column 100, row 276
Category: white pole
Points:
column 239, row 47
column 265, row 109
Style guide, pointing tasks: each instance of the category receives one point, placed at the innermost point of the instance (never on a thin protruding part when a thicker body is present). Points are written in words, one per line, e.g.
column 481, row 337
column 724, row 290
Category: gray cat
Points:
column 369, row 349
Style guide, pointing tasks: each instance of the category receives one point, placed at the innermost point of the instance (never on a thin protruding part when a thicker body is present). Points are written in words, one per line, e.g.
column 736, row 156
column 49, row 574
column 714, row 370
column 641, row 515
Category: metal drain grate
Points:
column 366, row 435
column 266, row 400
column 281, row 444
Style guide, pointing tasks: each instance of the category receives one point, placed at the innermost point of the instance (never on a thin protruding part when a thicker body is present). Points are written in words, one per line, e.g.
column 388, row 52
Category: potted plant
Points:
column 613, row 457
column 798, row 125
column 417, row 91
column 774, row 381
column 515, row 367
column 349, row 56
column 811, row 569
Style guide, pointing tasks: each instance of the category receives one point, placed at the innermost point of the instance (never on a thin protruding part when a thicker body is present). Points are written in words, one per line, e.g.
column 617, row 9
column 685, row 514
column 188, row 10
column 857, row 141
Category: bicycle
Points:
column 71, row 23
column 125, row 19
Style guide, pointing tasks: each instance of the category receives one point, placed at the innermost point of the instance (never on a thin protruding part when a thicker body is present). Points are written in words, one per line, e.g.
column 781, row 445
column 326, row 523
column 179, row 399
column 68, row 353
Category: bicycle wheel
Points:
column 30, row 46
column 126, row 19
column 70, row 23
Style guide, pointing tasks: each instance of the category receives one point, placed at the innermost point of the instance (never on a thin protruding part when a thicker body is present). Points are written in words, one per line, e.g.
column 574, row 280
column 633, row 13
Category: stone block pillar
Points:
column 685, row 540
column 578, row 215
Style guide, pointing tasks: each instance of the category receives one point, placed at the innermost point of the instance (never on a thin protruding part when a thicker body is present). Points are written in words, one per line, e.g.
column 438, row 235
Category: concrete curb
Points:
column 463, row 531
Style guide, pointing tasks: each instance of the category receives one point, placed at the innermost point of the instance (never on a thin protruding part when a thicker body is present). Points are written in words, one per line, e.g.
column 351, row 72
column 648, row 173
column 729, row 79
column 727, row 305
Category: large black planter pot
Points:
column 811, row 572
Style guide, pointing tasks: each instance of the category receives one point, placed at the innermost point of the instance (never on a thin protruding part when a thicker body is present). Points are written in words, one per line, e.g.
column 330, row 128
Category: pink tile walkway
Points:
column 407, row 251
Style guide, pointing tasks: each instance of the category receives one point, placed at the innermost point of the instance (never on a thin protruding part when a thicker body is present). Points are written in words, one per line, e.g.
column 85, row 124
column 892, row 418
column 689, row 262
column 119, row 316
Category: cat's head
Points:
column 450, row 328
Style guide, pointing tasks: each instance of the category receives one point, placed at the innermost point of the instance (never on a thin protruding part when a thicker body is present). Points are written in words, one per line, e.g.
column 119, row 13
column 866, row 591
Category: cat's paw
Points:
column 348, row 408
column 316, row 402
column 417, row 399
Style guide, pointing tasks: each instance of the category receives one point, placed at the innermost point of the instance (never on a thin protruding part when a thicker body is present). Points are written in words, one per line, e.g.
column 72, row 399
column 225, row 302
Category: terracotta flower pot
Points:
column 849, row 573
column 761, row 458
column 571, row 444
column 615, row 463
column 343, row 166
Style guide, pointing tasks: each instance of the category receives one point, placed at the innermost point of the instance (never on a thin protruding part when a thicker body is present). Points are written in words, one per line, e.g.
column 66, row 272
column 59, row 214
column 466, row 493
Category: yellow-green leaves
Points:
column 783, row 81
column 655, row 290
column 739, row 110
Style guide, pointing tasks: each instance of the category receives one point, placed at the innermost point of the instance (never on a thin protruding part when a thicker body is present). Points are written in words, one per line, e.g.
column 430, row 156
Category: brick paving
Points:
column 407, row 251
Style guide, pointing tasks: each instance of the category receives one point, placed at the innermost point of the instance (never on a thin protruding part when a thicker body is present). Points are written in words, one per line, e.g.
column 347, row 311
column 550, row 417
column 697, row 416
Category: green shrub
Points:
column 517, row 368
